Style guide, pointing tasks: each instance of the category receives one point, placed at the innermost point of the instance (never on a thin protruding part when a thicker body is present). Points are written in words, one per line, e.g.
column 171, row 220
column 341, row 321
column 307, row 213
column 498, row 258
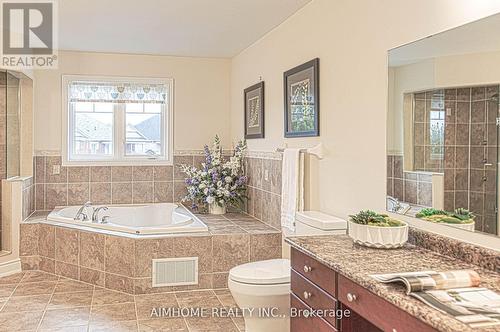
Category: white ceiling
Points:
column 476, row 37
column 206, row 28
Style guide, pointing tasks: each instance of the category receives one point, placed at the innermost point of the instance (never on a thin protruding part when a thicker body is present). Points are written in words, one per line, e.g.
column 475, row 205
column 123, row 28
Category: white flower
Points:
column 228, row 179
column 202, row 186
column 210, row 200
column 219, row 183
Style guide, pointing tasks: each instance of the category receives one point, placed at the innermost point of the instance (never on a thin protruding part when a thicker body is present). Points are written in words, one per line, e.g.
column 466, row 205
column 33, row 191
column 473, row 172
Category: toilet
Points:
column 262, row 289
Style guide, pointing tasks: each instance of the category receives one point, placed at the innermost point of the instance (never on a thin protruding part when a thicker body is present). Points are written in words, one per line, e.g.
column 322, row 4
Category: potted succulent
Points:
column 460, row 218
column 219, row 182
column 376, row 230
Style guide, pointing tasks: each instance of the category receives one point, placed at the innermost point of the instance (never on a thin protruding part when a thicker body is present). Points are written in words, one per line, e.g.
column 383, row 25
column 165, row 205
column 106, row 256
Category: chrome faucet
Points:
column 95, row 214
column 80, row 215
column 395, row 202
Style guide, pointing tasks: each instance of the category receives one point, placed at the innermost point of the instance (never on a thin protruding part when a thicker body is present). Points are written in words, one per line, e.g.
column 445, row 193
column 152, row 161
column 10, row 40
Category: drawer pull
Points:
column 351, row 297
column 307, row 295
column 307, row 269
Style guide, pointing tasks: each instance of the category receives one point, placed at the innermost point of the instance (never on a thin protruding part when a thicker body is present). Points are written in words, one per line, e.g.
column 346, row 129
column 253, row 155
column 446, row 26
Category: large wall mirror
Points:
column 443, row 128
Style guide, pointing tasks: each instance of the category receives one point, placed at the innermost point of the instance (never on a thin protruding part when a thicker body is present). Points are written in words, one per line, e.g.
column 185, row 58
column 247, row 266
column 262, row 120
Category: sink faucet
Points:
column 95, row 214
column 80, row 215
column 395, row 202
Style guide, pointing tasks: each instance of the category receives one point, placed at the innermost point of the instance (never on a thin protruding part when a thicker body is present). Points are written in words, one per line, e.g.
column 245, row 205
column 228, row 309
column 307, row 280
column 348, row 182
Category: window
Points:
column 117, row 120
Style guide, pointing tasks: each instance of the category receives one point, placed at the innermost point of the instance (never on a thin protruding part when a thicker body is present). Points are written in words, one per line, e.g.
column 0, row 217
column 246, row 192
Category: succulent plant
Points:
column 427, row 212
column 460, row 216
column 463, row 214
column 372, row 218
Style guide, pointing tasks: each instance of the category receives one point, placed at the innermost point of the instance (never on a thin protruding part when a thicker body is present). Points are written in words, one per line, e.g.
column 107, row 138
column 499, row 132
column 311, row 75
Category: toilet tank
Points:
column 318, row 223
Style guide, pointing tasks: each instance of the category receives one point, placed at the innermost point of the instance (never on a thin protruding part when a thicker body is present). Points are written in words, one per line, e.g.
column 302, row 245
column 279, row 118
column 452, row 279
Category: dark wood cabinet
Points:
column 318, row 289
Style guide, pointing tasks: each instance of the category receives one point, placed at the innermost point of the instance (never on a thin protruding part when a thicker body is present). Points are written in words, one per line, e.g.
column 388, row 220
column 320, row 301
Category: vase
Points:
column 378, row 237
column 215, row 208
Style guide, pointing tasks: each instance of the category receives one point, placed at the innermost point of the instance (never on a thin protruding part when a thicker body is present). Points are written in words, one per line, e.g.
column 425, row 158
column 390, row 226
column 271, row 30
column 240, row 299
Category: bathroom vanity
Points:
column 330, row 272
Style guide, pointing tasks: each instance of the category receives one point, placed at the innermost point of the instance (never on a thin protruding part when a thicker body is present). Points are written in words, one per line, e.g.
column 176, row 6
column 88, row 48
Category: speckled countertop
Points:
column 357, row 263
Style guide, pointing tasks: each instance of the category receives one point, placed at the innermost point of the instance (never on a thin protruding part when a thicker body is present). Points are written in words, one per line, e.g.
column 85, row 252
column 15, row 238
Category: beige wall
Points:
column 351, row 38
column 201, row 93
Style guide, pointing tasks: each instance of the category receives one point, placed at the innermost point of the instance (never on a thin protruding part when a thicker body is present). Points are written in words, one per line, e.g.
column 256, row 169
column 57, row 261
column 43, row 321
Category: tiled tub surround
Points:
column 124, row 263
column 264, row 187
column 410, row 187
column 76, row 185
column 28, row 197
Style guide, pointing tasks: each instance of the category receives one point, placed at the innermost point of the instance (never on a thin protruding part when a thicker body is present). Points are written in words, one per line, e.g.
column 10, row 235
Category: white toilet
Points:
column 258, row 287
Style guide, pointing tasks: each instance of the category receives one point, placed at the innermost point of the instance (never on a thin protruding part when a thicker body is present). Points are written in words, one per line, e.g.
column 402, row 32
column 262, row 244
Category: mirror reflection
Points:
column 443, row 116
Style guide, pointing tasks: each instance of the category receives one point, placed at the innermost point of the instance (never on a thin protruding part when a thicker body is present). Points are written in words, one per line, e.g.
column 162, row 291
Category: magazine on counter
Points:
column 454, row 292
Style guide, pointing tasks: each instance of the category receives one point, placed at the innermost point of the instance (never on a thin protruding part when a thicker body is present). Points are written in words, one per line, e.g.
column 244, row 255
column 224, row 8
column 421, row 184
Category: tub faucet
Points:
column 95, row 214
column 80, row 215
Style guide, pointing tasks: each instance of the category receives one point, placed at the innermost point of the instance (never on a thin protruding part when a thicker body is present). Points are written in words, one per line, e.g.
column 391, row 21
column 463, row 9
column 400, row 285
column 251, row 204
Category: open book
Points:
column 454, row 292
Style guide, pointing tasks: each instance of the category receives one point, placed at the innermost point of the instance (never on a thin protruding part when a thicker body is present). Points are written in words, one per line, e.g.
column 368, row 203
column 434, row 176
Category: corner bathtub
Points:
column 163, row 218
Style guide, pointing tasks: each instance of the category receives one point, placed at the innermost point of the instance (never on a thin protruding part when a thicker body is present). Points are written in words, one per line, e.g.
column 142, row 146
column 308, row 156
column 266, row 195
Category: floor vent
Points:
column 175, row 271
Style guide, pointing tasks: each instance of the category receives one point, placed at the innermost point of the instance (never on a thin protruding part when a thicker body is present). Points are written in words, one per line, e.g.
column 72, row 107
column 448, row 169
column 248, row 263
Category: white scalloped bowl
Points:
column 379, row 237
column 468, row 227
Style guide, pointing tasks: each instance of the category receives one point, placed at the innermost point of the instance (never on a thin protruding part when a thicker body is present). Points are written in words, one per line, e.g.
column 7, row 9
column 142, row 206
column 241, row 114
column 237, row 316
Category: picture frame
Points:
column 254, row 111
column 301, row 92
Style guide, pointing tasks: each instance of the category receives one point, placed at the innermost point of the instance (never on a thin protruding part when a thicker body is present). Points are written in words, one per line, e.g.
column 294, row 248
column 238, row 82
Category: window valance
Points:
column 115, row 92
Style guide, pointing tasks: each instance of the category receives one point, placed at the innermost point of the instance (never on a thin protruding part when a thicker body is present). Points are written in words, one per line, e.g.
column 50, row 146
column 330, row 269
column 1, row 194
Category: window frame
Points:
column 119, row 139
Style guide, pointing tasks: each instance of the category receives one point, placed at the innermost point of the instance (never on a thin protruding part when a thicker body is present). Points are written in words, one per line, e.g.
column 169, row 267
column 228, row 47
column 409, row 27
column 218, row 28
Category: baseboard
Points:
column 10, row 267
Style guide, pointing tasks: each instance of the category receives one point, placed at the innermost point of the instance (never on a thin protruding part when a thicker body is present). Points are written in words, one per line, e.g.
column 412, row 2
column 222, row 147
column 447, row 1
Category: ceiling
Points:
column 476, row 37
column 202, row 28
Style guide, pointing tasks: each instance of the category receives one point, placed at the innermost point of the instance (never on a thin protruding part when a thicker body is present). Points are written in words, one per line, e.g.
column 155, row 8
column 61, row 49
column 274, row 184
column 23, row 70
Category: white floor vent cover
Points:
column 175, row 271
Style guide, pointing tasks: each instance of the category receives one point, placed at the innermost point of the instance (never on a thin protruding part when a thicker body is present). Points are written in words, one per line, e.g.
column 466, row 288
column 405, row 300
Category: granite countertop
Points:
column 357, row 263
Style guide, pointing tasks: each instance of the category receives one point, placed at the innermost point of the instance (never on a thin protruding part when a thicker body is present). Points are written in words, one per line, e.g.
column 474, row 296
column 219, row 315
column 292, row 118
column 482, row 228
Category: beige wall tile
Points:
column 93, row 277
column 143, row 173
column 147, row 249
column 46, row 241
column 121, row 193
column 78, row 193
column 121, row 173
column 192, row 246
column 100, row 174
column 47, row 264
column 163, row 173
column 28, row 245
column 40, row 196
column 55, row 195
column 50, row 177
column 119, row 255
column 92, row 250
column 230, row 251
column 100, row 193
column 39, row 169
column 142, row 192
column 265, row 246
column 180, row 191
column 163, row 192
column 67, row 270
column 78, row 174
column 66, row 248
column 119, row 283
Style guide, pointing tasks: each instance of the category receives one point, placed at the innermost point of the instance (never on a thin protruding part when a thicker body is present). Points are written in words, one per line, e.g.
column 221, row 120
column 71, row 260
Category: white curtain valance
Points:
column 115, row 92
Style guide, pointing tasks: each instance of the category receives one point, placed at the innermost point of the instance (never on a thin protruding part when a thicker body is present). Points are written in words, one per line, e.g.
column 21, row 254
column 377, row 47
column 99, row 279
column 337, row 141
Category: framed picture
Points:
column 301, row 85
column 254, row 111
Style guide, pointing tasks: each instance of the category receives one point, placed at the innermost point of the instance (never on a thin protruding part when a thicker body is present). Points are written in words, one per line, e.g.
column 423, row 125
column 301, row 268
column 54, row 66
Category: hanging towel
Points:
column 292, row 187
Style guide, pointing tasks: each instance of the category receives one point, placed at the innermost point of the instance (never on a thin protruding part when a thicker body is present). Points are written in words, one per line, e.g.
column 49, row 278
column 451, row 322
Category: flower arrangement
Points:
column 219, row 182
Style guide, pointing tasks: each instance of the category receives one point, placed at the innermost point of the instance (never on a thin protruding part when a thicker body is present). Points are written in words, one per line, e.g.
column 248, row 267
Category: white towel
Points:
column 292, row 187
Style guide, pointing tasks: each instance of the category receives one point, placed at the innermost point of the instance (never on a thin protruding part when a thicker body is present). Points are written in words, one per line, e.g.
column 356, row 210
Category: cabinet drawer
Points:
column 313, row 296
column 377, row 310
column 314, row 271
column 307, row 324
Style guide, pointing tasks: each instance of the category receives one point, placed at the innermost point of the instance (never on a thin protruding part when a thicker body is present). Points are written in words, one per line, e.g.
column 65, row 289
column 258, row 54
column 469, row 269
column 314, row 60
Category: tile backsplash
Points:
column 264, row 187
column 74, row 185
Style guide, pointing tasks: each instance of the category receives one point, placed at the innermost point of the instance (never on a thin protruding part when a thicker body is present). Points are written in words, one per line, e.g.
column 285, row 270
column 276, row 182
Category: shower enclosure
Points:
column 455, row 132
column 10, row 135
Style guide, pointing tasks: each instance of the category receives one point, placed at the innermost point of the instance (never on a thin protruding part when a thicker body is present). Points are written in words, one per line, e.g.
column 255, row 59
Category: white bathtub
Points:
column 163, row 218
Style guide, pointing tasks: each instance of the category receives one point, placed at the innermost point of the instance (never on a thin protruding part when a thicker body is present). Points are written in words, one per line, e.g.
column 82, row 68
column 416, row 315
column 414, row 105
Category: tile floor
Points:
column 39, row 301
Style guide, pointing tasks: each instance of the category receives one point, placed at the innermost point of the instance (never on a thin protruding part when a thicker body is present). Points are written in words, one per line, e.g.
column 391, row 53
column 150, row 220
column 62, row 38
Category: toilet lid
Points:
column 273, row 271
